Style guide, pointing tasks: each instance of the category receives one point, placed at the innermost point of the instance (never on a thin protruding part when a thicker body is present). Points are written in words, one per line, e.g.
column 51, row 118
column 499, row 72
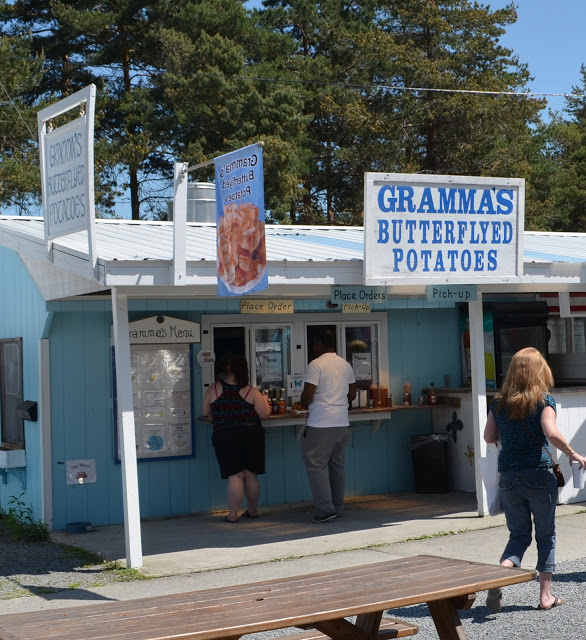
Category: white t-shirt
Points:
column 332, row 376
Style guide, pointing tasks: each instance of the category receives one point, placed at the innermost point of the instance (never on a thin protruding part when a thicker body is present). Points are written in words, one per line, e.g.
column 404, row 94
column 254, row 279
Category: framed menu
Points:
column 162, row 392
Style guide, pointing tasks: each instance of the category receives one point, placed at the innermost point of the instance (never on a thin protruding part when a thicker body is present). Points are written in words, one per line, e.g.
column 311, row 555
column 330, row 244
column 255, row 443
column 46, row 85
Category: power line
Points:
column 397, row 87
column 32, row 135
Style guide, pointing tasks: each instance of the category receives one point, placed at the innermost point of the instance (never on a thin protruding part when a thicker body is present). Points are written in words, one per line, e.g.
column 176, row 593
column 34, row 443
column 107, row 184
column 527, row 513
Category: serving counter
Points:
column 298, row 418
column 375, row 416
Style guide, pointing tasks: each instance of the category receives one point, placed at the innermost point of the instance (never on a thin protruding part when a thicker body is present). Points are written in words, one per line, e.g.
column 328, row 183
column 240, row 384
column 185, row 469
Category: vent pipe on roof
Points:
column 201, row 202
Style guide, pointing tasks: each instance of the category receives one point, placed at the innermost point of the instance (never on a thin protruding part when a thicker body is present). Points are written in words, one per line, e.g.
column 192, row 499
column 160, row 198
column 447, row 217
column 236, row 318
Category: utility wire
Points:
column 397, row 87
column 32, row 135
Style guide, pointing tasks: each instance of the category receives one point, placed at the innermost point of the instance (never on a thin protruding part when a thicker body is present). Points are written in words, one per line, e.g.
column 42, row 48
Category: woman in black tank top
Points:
column 237, row 409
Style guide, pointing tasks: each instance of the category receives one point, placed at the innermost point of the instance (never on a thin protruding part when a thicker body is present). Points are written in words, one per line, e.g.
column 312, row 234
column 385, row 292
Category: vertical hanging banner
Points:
column 240, row 222
column 67, row 168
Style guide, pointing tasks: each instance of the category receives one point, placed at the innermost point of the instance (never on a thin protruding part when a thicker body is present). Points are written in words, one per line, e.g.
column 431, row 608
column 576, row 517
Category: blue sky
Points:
column 549, row 37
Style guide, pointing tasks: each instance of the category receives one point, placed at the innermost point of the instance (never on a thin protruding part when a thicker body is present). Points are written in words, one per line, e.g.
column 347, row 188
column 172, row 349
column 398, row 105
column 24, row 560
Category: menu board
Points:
column 161, row 390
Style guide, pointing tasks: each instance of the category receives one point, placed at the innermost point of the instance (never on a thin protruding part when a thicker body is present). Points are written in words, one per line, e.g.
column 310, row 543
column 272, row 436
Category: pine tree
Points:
column 20, row 72
column 559, row 174
column 110, row 45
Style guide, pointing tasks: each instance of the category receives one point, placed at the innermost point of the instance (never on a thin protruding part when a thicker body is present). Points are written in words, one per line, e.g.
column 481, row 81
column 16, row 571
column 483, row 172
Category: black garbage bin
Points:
column 429, row 454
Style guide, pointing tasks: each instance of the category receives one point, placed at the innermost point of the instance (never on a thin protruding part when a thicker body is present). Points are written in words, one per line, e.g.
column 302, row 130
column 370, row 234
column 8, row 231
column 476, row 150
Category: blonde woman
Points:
column 523, row 418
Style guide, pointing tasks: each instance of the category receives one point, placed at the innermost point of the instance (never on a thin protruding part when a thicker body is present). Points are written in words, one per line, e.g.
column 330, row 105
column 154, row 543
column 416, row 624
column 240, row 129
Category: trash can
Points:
column 429, row 454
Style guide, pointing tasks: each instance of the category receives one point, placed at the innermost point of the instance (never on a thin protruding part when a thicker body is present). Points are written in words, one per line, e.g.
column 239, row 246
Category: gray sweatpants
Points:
column 323, row 455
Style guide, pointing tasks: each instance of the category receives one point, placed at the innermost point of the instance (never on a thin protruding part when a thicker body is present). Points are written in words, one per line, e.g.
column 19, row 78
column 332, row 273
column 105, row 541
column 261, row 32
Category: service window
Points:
column 265, row 345
column 11, row 426
column 278, row 352
column 361, row 353
column 272, row 356
column 357, row 343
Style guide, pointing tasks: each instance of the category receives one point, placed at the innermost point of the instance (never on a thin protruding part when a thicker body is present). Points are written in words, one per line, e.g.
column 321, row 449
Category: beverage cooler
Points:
column 508, row 327
column 517, row 325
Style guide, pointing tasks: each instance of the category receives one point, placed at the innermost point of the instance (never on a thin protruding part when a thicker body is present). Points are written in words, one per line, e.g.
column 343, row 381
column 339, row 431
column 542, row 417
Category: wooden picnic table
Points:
column 319, row 601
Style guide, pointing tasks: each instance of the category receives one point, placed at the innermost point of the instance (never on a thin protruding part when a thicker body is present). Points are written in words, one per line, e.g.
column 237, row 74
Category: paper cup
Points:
column 578, row 474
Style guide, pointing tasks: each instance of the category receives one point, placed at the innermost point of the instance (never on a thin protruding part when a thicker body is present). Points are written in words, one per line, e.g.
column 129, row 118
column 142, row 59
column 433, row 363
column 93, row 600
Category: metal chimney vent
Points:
column 201, row 202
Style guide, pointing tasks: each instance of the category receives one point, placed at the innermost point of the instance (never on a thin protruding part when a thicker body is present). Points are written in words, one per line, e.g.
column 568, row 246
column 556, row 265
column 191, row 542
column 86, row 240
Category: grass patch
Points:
column 21, row 524
column 87, row 558
column 124, row 574
column 440, row 534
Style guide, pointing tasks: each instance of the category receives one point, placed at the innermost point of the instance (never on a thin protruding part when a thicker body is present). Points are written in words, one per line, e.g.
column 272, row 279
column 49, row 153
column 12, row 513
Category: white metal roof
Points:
column 127, row 240
column 132, row 254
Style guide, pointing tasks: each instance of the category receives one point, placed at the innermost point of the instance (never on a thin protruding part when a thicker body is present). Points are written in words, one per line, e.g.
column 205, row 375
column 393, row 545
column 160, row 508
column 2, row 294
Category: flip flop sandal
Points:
column 556, row 603
column 248, row 515
column 231, row 521
column 494, row 600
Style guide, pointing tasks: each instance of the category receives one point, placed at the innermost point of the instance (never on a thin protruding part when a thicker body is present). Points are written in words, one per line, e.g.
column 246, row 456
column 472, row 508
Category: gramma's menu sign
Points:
column 421, row 229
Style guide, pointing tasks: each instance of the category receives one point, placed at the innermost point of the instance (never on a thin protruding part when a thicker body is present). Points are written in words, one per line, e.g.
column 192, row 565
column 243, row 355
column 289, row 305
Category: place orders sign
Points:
column 421, row 229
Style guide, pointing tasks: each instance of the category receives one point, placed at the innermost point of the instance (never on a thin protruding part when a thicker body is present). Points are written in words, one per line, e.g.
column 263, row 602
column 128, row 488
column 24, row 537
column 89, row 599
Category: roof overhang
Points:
column 302, row 261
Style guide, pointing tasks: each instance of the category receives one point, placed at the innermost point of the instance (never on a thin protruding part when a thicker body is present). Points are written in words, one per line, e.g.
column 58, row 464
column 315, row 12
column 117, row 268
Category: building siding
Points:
column 24, row 315
column 83, row 424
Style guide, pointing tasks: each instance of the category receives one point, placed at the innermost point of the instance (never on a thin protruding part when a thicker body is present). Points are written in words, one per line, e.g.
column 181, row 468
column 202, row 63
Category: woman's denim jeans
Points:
column 532, row 492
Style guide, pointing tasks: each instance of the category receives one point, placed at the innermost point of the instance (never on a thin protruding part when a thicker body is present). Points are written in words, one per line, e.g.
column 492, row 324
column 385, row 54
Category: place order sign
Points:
column 358, row 299
column 421, row 229
column 266, row 306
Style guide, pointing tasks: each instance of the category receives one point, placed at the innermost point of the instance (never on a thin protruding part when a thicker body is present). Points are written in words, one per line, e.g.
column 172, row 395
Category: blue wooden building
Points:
column 58, row 357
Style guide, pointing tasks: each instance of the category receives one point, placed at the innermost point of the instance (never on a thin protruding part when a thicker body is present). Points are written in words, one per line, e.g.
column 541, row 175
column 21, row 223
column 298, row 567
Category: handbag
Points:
column 557, row 470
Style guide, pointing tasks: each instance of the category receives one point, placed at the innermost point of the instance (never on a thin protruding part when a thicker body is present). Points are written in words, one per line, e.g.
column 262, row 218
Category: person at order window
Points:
column 523, row 418
column 328, row 389
column 236, row 410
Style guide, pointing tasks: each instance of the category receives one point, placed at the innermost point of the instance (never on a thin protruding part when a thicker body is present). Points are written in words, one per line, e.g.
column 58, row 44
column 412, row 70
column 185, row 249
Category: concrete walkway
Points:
column 173, row 546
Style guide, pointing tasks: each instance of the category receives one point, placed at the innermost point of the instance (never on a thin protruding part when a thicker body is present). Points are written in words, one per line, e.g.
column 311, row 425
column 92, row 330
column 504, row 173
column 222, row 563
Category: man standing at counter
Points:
column 329, row 388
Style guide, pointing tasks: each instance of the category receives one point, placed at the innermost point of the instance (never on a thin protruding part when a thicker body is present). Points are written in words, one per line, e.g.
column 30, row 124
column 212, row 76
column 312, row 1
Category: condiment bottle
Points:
column 384, row 392
column 275, row 402
column 373, row 393
column 281, row 403
column 432, row 397
column 407, row 394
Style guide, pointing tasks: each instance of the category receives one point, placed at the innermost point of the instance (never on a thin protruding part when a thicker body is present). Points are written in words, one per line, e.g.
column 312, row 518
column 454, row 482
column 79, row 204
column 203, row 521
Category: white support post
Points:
column 476, row 322
column 126, row 433
column 564, row 301
column 179, row 223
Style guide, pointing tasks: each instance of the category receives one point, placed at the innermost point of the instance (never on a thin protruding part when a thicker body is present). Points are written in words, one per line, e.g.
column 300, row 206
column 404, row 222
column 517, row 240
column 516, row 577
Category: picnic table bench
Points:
column 320, row 601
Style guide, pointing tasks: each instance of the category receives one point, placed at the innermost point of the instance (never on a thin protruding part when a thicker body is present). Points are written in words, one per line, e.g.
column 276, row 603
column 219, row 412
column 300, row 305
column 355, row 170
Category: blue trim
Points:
column 331, row 242
column 552, row 257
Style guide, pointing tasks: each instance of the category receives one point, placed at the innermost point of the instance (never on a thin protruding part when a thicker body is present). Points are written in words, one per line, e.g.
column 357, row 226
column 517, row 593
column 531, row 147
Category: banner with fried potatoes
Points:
column 240, row 222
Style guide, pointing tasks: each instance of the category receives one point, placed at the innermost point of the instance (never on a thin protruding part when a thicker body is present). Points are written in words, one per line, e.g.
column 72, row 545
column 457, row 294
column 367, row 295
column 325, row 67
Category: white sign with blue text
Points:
column 422, row 229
